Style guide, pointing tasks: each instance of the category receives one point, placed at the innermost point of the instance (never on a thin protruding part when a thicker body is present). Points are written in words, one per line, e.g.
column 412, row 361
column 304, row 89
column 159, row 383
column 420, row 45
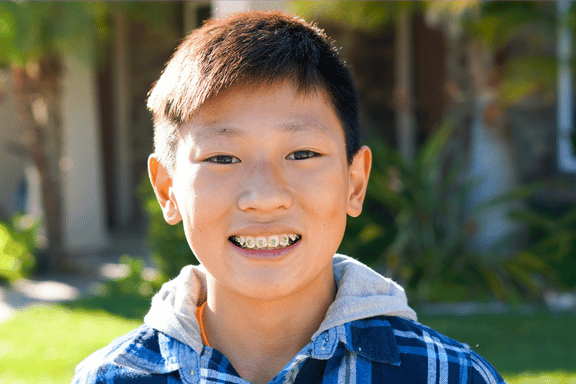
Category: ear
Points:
column 358, row 174
column 162, row 184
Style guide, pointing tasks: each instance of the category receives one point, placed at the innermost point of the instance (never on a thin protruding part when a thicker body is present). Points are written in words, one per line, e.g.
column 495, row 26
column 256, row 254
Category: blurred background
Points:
column 468, row 107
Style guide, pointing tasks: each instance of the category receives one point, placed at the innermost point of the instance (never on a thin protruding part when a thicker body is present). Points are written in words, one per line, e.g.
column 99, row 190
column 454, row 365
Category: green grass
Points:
column 525, row 349
column 44, row 344
column 542, row 378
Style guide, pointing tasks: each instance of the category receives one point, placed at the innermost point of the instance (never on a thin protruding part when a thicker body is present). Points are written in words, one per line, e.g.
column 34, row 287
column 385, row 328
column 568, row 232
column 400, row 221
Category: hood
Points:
column 362, row 293
column 173, row 309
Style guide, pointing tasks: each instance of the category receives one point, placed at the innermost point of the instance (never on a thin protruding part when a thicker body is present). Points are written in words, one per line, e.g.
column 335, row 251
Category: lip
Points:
column 264, row 254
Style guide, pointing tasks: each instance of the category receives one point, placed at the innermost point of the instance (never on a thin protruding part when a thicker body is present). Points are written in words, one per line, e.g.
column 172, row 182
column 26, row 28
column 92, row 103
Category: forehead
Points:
column 279, row 106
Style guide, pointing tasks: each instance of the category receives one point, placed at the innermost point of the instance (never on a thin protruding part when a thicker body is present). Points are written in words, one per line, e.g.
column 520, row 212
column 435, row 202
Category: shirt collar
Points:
column 371, row 338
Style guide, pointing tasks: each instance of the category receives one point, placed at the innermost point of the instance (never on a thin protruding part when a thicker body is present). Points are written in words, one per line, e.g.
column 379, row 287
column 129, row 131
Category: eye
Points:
column 301, row 155
column 222, row 159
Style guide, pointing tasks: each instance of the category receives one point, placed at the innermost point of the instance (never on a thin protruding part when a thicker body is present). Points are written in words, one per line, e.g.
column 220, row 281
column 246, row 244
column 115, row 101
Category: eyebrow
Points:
column 313, row 126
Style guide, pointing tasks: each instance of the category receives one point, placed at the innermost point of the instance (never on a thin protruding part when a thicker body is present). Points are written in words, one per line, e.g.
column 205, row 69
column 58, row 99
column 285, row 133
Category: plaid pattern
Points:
column 375, row 350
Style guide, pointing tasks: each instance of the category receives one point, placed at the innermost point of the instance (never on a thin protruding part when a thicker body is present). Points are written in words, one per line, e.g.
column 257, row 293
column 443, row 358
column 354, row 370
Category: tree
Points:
column 34, row 38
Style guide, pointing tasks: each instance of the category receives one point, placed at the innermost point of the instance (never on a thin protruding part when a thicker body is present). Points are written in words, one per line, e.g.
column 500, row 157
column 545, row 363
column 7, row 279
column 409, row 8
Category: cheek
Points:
column 207, row 191
column 202, row 202
column 325, row 195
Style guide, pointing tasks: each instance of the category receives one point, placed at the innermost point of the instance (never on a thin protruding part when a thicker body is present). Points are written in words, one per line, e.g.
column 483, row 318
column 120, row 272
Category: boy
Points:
column 257, row 154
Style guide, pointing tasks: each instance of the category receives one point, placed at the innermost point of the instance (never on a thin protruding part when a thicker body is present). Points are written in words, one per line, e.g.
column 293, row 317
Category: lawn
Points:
column 525, row 349
column 43, row 344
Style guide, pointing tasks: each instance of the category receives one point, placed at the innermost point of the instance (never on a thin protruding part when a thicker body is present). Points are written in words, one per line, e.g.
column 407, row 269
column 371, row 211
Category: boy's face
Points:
column 258, row 163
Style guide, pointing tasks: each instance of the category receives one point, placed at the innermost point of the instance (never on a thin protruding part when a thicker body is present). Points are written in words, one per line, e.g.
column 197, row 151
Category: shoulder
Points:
column 133, row 357
column 446, row 359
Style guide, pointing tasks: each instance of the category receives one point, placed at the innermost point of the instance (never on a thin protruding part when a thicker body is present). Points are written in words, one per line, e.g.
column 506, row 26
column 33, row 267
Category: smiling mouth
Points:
column 261, row 243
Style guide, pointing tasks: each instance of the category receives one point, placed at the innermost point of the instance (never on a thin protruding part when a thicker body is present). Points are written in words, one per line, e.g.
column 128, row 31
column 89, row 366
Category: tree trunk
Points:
column 37, row 89
column 404, row 95
column 491, row 154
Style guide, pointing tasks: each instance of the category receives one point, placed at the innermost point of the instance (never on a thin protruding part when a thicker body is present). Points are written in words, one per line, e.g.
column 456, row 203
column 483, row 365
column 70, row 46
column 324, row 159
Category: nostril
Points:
column 265, row 196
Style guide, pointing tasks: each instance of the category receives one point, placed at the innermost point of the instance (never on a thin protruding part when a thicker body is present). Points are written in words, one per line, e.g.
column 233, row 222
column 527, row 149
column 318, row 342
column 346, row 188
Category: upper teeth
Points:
column 273, row 241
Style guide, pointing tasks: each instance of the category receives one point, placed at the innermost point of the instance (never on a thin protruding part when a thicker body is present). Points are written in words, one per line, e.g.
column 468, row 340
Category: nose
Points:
column 265, row 189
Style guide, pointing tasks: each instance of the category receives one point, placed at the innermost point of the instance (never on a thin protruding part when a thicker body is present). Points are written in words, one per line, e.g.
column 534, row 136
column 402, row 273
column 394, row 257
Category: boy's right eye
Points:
column 222, row 159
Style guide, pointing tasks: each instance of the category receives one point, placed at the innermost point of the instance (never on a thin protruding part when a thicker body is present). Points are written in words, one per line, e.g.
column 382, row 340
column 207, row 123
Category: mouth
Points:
column 265, row 243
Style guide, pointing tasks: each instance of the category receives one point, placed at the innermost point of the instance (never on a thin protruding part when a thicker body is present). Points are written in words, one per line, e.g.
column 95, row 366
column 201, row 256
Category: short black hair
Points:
column 249, row 49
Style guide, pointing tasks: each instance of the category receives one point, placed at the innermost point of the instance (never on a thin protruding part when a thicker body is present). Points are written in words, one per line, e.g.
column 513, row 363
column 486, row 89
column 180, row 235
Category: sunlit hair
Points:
column 244, row 49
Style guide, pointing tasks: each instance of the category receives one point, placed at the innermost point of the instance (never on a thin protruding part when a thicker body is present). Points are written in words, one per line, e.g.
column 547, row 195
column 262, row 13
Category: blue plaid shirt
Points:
column 374, row 350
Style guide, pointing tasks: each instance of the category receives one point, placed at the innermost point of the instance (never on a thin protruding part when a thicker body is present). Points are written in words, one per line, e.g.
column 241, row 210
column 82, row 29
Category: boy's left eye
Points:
column 300, row 155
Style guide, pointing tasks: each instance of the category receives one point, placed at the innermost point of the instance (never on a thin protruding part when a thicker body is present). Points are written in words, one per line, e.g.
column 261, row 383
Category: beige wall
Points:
column 83, row 184
column 223, row 7
column 123, row 154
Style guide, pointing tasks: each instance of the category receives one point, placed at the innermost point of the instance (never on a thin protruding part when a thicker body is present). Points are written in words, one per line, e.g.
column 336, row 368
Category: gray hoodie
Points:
column 362, row 293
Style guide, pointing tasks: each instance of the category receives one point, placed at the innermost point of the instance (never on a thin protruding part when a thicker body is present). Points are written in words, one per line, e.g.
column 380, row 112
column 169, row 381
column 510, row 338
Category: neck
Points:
column 260, row 337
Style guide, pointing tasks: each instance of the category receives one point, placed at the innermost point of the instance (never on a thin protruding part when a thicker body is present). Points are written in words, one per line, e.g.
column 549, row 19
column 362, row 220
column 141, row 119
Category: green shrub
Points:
column 137, row 282
column 553, row 241
column 18, row 241
column 426, row 202
column 428, row 205
column 168, row 243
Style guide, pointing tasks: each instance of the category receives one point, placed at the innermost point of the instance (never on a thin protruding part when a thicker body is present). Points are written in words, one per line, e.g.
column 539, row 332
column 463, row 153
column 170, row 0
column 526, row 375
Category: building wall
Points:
column 223, row 7
column 83, row 184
